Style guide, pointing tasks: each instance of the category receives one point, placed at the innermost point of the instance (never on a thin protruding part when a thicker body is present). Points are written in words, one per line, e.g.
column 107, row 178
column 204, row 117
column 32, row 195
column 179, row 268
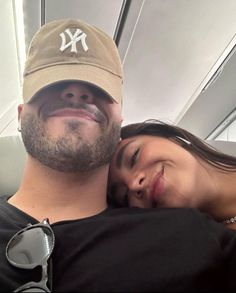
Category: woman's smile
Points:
column 157, row 186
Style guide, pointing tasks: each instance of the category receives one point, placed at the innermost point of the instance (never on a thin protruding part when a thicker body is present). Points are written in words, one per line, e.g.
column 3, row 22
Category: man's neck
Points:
column 46, row 193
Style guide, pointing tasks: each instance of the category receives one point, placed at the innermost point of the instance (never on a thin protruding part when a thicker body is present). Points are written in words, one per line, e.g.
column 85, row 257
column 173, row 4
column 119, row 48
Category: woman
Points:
column 160, row 165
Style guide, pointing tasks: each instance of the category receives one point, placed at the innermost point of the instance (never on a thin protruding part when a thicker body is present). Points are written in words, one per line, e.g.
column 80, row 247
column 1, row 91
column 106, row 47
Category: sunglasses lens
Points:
column 30, row 247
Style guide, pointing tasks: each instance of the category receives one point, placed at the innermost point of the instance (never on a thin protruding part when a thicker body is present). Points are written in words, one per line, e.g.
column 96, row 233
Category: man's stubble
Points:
column 70, row 152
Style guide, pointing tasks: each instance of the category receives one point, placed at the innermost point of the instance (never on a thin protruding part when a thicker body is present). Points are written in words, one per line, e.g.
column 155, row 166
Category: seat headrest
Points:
column 227, row 147
column 12, row 160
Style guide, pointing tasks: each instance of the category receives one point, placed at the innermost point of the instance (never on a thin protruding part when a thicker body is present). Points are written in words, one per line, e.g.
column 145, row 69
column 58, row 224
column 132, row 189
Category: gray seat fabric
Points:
column 227, row 147
column 13, row 156
column 12, row 160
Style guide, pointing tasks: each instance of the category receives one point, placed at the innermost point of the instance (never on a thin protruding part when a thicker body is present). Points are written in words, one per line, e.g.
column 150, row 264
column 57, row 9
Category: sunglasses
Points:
column 32, row 247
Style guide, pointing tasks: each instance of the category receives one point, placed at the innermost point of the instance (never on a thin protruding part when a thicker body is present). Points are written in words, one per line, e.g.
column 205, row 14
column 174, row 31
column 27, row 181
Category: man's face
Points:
column 71, row 127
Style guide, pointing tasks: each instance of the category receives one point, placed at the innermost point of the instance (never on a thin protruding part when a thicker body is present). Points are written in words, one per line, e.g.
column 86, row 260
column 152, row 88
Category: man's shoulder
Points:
column 11, row 216
column 171, row 219
column 4, row 198
column 3, row 201
column 158, row 213
column 182, row 225
column 161, row 217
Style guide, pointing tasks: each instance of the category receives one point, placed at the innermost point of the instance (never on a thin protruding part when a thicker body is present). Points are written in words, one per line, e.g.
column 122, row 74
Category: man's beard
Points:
column 70, row 152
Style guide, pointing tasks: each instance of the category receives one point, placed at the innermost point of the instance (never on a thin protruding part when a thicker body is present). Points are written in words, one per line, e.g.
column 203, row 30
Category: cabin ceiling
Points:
column 171, row 52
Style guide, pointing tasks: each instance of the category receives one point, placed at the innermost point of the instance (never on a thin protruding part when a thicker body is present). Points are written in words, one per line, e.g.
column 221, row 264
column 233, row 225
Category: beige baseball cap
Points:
column 71, row 49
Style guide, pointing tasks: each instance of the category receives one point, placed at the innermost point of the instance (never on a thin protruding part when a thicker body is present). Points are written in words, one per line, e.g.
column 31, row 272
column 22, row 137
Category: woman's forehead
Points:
column 139, row 138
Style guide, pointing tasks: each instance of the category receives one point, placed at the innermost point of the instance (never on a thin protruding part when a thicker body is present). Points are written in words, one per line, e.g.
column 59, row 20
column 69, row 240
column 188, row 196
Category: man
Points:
column 70, row 124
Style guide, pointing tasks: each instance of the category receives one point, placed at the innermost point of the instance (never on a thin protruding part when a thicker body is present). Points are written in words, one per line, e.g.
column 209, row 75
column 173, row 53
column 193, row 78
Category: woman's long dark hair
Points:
column 184, row 138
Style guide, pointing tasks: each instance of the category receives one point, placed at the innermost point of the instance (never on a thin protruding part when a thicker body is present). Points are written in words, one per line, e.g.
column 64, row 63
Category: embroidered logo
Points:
column 74, row 39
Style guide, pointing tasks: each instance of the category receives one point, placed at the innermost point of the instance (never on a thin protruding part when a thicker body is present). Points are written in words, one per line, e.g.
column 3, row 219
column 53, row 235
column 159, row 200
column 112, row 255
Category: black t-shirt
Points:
column 129, row 250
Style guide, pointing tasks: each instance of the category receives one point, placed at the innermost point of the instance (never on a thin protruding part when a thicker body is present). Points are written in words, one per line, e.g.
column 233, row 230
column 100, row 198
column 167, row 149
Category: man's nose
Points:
column 77, row 93
column 136, row 184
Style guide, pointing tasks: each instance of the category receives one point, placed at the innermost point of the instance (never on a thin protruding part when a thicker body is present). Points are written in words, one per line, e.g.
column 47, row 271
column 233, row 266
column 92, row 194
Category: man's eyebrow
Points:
column 120, row 155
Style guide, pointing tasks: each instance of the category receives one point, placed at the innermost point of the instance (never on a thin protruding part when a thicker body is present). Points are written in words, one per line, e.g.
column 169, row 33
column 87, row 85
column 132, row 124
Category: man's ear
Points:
column 20, row 108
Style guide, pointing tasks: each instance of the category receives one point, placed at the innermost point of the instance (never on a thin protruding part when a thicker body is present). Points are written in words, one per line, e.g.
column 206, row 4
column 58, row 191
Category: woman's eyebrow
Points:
column 120, row 155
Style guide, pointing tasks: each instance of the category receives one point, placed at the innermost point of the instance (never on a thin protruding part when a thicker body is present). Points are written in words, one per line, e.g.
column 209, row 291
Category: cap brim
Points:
column 107, row 81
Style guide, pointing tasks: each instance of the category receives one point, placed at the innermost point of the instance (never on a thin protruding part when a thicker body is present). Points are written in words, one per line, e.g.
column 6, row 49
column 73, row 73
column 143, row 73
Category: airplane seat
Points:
column 12, row 160
column 227, row 147
column 13, row 156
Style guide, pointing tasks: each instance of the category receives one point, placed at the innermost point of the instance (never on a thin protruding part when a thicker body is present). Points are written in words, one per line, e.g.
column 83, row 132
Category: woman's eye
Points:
column 134, row 158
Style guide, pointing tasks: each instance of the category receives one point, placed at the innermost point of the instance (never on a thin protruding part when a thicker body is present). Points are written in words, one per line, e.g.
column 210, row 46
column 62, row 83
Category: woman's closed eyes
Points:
column 134, row 157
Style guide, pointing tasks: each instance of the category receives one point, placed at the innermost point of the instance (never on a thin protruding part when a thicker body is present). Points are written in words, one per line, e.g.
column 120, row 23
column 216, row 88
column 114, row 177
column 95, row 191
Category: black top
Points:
column 129, row 250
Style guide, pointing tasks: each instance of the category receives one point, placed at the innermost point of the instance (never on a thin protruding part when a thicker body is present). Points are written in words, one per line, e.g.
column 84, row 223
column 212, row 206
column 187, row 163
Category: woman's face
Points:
column 150, row 171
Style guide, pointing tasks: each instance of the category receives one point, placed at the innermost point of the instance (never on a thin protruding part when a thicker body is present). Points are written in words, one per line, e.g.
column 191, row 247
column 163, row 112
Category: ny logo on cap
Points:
column 74, row 38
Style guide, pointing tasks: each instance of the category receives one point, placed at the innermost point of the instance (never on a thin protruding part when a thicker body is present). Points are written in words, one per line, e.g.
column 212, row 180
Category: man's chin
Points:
column 73, row 147
column 85, row 129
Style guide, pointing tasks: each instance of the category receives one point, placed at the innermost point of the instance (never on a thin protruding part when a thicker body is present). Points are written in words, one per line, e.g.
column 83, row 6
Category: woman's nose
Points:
column 136, row 185
column 77, row 93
